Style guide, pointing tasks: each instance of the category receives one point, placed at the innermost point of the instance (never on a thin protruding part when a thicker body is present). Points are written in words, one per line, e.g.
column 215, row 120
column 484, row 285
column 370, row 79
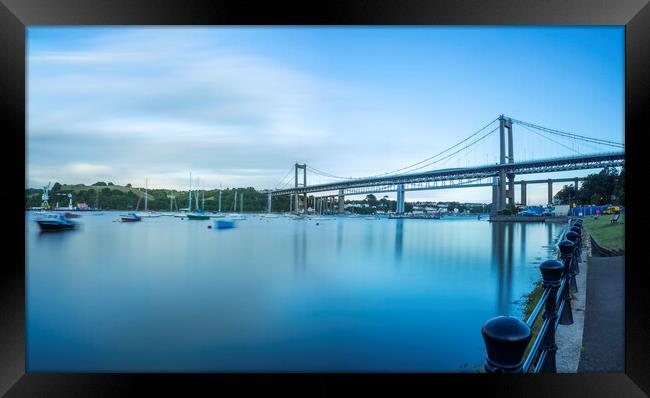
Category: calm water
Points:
column 278, row 294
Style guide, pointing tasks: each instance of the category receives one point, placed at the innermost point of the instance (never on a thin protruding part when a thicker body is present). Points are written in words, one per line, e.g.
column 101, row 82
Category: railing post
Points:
column 551, row 275
column 506, row 339
column 566, row 251
column 578, row 230
column 573, row 237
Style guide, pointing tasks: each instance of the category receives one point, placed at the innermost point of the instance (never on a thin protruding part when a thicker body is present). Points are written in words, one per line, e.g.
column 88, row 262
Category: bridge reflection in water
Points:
column 281, row 294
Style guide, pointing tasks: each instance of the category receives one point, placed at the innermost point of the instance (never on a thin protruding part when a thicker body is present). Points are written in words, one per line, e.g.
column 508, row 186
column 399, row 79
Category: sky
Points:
column 238, row 106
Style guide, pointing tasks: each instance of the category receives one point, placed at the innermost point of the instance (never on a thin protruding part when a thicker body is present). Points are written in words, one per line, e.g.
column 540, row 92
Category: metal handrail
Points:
column 507, row 338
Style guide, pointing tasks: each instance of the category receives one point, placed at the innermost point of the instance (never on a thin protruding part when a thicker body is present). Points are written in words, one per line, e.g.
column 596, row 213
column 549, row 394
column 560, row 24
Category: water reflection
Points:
column 339, row 236
column 399, row 240
column 522, row 245
column 502, row 260
column 300, row 247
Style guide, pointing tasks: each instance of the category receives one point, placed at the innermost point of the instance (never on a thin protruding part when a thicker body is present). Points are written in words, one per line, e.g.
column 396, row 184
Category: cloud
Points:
column 159, row 99
column 158, row 102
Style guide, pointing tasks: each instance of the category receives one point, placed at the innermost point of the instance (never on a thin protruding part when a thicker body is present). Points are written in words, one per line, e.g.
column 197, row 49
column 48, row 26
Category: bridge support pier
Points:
column 268, row 203
column 495, row 195
column 509, row 179
column 575, row 184
column 550, row 191
column 523, row 193
column 341, row 202
column 400, row 199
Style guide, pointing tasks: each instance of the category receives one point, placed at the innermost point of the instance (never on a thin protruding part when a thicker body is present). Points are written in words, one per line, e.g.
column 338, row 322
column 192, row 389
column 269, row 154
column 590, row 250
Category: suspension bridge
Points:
column 499, row 176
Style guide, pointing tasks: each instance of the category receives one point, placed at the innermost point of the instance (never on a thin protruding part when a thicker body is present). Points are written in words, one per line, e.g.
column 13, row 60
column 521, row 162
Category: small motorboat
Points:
column 224, row 224
column 55, row 222
column 131, row 217
column 235, row 216
column 148, row 214
column 67, row 214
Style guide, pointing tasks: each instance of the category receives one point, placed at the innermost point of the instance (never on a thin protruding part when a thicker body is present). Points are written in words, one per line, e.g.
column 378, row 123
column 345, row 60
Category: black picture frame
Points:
column 16, row 15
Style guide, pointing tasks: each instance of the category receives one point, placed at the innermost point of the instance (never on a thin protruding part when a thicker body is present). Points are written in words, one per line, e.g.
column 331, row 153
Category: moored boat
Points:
column 68, row 214
column 131, row 217
column 55, row 222
column 198, row 215
column 148, row 214
column 224, row 224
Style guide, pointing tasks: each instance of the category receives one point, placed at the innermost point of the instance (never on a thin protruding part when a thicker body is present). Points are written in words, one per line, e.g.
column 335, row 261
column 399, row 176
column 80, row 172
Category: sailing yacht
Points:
column 147, row 213
column 198, row 214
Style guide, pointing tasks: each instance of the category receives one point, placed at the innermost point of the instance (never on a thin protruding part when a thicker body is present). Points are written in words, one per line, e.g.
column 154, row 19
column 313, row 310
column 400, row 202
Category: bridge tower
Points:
column 399, row 209
column 302, row 167
column 341, row 202
column 505, row 194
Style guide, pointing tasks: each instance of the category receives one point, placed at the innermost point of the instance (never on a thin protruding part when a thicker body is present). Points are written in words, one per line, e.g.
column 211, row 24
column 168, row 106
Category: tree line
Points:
column 108, row 196
column 603, row 188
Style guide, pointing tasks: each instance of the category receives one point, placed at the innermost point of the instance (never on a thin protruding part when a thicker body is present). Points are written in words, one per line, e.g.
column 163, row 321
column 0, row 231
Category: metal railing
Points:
column 507, row 338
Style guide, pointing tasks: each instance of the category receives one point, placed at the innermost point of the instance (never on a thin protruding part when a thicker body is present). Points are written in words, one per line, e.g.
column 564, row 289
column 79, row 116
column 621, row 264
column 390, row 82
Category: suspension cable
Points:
column 550, row 139
column 571, row 135
column 397, row 171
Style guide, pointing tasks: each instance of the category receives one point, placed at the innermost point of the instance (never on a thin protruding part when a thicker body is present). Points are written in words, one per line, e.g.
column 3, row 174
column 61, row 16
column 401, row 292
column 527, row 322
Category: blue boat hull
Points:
column 224, row 224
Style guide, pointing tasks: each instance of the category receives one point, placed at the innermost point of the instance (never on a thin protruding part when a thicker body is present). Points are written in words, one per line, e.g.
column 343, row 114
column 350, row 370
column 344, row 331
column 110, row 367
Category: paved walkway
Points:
column 569, row 337
column 603, row 340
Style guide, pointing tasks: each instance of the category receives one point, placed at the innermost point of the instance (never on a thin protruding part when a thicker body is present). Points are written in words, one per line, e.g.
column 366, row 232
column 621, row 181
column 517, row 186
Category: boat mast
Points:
column 220, row 201
column 146, row 182
column 241, row 203
column 234, row 205
column 189, row 206
column 197, row 193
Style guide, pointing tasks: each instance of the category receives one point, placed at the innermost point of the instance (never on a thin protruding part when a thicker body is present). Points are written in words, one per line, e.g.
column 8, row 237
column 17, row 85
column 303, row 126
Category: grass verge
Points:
column 611, row 236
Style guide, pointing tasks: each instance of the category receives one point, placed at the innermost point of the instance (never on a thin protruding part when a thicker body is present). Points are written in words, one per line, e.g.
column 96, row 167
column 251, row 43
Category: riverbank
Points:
column 560, row 219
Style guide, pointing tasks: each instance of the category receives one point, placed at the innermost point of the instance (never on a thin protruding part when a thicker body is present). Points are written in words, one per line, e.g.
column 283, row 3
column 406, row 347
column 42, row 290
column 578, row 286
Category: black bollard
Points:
column 578, row 249
column 566, row 251
column 506, row 339
column 573, row 286
column 577, row 229
column 574, row 237
column 552, row 275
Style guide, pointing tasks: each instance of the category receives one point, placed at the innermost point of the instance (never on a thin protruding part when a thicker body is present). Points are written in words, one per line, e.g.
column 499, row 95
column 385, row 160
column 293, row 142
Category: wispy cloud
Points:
column 238, row 108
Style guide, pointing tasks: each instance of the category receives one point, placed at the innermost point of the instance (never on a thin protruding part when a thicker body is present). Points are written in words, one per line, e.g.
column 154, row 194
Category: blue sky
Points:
column 238, row 106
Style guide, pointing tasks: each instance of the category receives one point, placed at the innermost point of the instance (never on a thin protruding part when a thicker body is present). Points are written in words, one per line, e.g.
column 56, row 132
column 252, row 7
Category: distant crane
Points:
column 45, row 199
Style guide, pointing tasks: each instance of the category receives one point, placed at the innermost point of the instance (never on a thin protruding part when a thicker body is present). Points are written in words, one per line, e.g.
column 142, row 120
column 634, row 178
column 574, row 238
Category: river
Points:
column 274, row 294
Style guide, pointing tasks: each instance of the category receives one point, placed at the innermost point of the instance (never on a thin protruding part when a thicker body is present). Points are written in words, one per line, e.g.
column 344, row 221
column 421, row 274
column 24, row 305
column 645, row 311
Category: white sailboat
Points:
column 234, row 215
column 147, row 213
column 198, row 214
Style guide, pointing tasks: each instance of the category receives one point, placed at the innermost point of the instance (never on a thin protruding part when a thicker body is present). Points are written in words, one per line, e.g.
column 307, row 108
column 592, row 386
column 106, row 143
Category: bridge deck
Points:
column 465, row 176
